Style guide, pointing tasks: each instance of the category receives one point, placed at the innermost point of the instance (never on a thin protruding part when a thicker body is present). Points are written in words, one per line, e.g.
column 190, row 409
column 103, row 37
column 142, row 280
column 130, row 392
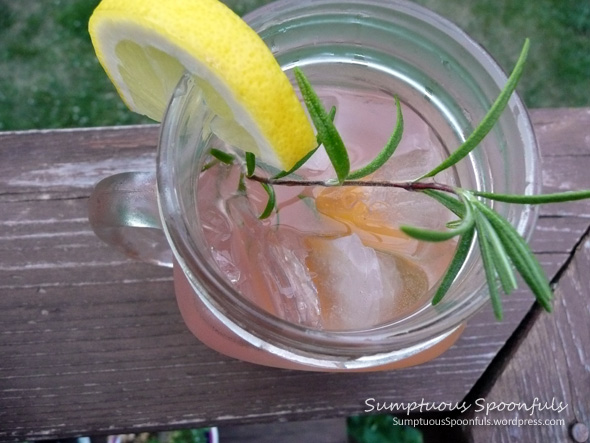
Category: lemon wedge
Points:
column 146, row 45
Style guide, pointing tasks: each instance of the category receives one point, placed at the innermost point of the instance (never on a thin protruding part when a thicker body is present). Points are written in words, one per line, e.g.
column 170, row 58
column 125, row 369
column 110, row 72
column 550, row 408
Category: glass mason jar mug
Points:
column 350, row 50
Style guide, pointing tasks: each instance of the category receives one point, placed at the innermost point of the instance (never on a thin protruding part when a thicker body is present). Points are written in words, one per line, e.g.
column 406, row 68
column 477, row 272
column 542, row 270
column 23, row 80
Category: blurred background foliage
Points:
column 50, row 78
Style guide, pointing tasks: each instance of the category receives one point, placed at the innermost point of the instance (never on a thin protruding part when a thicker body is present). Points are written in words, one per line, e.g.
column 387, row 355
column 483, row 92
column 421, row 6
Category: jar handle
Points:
column 123, row 212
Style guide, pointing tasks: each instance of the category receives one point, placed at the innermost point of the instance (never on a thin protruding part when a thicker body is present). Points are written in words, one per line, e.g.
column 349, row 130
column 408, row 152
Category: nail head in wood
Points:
column 579, row 432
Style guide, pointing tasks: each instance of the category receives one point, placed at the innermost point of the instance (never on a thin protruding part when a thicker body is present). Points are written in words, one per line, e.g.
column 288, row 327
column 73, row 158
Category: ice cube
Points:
column 216, row 226
column 419, row 152
column 371, row 213
column 318, row 166
column 350, row 282
column 405, row 285
column 226, row 265
column 397, row 207
column 283, row 266
column 360, row 287
column 408, row 166
column 272, row 260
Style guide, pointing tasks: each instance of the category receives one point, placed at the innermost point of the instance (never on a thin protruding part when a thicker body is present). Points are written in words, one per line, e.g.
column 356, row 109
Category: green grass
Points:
column 49, row 77
column 558, row 68
column 381, row 429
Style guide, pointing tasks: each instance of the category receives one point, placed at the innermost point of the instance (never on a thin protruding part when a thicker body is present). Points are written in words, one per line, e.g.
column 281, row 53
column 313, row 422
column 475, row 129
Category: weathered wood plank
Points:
column 551, row 365
column 91, row 342
column 42, row 165
column 562, row 132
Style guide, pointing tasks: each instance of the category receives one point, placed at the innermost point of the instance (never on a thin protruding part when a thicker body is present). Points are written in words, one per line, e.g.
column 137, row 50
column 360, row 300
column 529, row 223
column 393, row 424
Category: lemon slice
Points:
column 146, row 45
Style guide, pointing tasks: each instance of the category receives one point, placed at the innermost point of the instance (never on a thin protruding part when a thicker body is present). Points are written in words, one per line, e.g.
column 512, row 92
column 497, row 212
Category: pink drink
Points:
column 330, row 284
column 333, row 258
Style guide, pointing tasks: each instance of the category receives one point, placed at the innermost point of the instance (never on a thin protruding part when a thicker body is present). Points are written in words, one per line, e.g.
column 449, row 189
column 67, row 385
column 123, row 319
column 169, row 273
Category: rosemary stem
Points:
column 407, row 185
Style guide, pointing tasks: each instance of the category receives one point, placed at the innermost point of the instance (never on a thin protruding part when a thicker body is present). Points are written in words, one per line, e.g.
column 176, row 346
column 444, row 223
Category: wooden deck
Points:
column 92, row 343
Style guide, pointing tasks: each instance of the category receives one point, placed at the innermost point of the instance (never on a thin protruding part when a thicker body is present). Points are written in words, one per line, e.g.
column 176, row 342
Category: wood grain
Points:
column 92, row 343
column 551, row 366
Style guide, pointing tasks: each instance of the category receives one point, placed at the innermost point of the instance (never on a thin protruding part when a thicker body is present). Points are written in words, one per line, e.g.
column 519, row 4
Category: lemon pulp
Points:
column 146, row 45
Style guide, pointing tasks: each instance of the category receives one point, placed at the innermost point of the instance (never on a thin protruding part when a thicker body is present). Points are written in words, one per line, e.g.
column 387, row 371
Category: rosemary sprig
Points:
column 457, row 262
column 271, row 203
column 447, row 200
column 307, row 156
column 218, row 157
column 386, row 152
column 327, row 133
column 499, row 257
column 489, row 263
column 222, row 156
column 559, row 197
column 250, row 164
column 488, row 121
column 503, row 250
column 464, row 226
column 520, row 254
